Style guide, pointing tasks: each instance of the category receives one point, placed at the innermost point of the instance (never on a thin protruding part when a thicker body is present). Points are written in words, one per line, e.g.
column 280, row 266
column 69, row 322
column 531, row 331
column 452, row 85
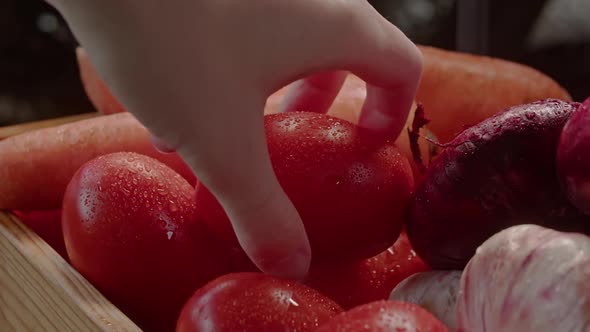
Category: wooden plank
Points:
column 40, row 291
column 24, row 127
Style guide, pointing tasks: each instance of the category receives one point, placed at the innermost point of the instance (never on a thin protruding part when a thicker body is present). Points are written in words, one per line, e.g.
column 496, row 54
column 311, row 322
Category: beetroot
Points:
column 494, row 175
column 573, row 158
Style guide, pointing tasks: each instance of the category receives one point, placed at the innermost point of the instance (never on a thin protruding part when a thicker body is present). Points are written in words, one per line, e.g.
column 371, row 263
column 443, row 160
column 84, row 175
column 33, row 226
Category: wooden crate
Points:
column 39, row 290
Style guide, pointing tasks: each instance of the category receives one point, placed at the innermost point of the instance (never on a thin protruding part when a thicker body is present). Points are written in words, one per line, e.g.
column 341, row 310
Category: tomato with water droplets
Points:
column 349, row 186
column 385, row 316
column 257, row 302
column 354, row 283
column 130, row 228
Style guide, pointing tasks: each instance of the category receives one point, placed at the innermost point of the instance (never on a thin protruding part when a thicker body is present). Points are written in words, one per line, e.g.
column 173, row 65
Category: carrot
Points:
column 37, row 165
column 459, row 89
column 98, row 93
column 20, row 128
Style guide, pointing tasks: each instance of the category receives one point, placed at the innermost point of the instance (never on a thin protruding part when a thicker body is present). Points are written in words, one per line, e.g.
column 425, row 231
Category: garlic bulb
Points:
column 527, row 278
column 435, row 291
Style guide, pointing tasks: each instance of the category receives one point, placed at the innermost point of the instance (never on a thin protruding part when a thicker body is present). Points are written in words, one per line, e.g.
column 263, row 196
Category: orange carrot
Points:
column 36, row 166
column 457, row 90
column 460, row 89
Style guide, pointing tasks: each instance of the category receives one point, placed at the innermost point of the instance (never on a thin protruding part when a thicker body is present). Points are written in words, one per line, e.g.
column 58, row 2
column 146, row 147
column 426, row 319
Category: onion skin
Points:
column 527, row 278
column 435, row 291
column 573, row 158
column 499, row 173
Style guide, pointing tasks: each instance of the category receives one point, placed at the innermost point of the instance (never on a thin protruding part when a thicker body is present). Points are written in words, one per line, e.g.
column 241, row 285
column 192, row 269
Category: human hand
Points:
column 197, row 74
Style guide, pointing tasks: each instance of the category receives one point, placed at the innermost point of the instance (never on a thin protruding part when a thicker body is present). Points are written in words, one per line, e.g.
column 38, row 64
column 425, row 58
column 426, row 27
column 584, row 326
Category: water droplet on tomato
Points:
column 125, row 191
column 293, row 302
column 162, row 191
column 173, row 207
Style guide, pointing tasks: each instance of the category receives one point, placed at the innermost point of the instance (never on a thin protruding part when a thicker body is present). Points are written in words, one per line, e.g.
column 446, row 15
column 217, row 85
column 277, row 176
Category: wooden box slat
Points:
column 40, row 291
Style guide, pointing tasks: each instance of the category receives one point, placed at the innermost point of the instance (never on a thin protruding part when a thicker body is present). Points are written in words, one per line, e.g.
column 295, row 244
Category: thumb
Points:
column 237, row 170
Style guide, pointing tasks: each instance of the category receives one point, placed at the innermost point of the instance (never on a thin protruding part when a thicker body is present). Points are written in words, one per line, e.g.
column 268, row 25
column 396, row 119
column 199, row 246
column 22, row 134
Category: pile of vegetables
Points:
column 475, row 219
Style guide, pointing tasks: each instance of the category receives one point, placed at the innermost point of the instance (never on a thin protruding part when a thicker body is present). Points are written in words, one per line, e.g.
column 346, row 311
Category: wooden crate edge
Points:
column 40, row 291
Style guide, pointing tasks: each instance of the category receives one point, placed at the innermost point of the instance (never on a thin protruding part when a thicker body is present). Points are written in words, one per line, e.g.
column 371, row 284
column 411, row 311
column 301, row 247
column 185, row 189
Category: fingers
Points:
column 238, row 172
column 370, row 47
column 200, row 87
column 393, row 80
column 271, row 232
column 392, row 66
column 313, row 94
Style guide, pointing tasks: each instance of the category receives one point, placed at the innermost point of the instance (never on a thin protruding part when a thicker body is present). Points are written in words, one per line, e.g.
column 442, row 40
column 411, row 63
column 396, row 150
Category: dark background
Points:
column 39, row 77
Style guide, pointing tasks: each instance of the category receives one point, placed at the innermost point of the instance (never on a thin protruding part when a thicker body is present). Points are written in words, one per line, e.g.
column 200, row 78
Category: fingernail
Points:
column 295, row 266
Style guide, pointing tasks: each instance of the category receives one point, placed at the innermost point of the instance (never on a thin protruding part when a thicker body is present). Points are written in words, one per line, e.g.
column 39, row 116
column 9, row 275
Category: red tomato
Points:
column 47, row 225
column 372, row 279
column 130, row 227
column 257, row 302
column 385, row 316
column 350, row 188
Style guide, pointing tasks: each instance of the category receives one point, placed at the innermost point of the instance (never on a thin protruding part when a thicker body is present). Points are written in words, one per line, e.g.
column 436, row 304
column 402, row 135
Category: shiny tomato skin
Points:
column 349, row 187
column 130, row 228
column 257, row 302
column 385, row 316
column 355, row 283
